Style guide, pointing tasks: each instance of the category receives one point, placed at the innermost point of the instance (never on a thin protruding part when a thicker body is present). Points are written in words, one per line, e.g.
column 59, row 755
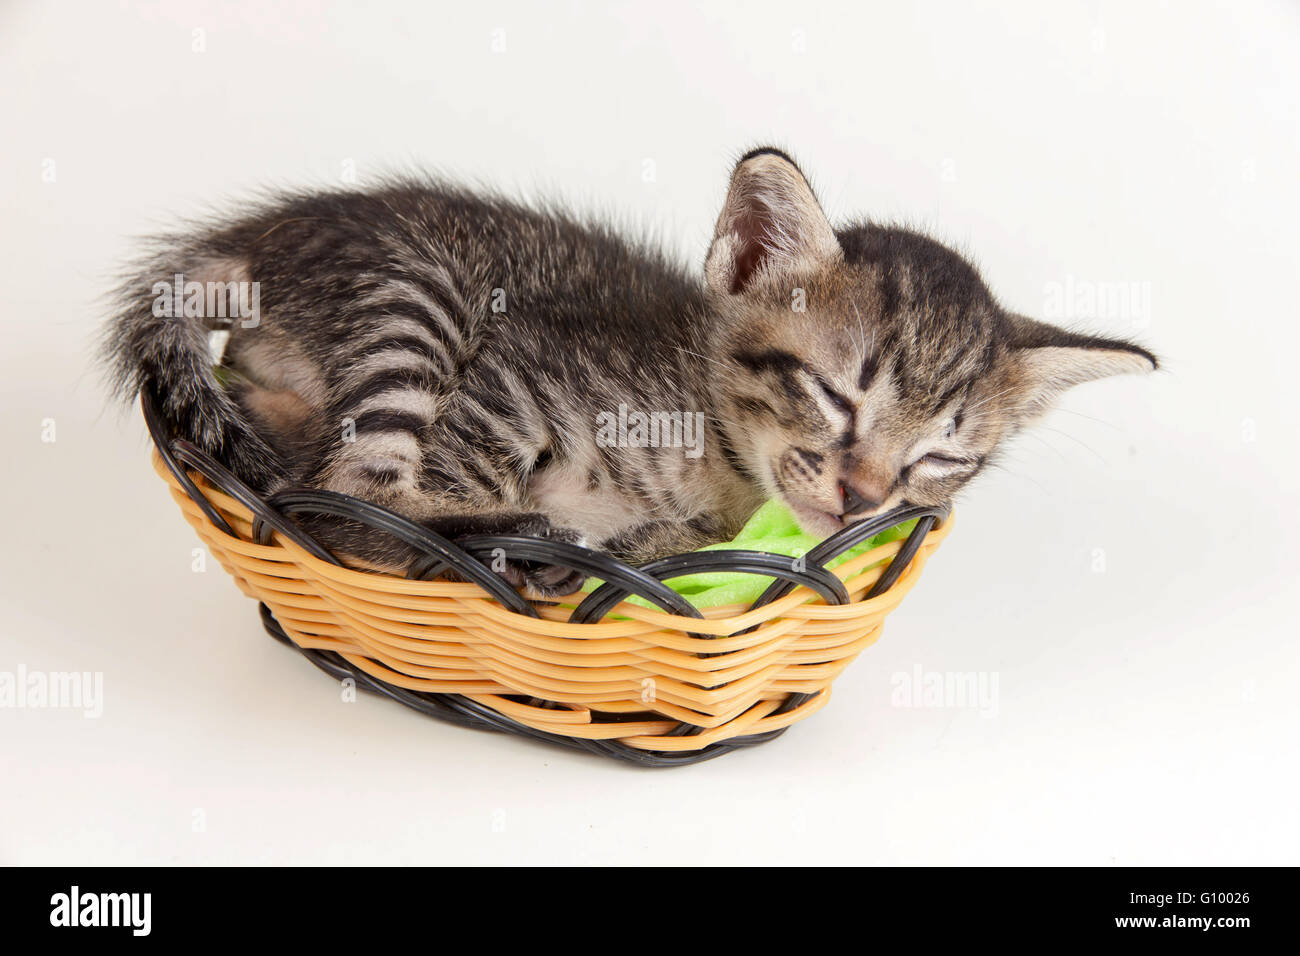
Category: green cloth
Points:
column 772, row 529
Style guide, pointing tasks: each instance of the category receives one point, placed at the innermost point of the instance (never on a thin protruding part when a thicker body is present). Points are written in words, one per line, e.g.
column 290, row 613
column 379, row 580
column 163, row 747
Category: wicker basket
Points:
column 658, row 687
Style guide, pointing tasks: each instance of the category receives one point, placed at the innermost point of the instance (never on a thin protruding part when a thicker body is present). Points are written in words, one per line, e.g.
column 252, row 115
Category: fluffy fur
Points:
column 448, row 354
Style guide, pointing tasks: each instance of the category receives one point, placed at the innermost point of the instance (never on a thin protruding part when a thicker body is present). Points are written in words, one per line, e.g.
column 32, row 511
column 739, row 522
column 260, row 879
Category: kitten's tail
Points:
column 150, row 344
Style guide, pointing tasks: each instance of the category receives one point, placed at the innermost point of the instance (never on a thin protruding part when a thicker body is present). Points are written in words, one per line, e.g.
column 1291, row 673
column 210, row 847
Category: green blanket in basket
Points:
column 772, row 529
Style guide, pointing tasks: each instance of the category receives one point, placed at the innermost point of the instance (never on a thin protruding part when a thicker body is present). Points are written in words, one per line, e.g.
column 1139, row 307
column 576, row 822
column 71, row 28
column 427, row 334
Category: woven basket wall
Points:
column 642, row 684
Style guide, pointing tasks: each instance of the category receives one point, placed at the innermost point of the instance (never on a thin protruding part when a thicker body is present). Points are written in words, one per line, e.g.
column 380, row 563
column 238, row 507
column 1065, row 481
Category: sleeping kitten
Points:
column 460, row 359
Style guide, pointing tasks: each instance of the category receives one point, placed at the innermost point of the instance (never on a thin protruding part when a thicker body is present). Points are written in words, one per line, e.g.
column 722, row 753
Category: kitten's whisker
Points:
column 1034, row 434
column 1078, row 441
column 1005, row 391
column 285, row 222
column 862, row 339
column 1099, row 421
column 1037, row 484
column 731, row 367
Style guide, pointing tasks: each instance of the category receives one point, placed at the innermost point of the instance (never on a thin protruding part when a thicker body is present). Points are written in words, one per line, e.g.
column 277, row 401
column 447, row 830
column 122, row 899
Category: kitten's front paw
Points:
column 538, row 579
column 552, row 581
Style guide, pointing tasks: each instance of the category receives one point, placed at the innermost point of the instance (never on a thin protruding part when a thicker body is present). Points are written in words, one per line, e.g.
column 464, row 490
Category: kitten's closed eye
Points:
column 836, row 399
column 940, row 460
column 944, row 461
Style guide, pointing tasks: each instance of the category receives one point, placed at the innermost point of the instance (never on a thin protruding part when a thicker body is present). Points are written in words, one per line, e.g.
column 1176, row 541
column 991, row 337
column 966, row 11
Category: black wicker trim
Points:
column 467, row 559
column 448, row 555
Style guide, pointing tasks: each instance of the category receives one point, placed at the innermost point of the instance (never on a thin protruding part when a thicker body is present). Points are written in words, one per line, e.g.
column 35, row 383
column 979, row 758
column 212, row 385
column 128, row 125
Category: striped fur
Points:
column 448, row 354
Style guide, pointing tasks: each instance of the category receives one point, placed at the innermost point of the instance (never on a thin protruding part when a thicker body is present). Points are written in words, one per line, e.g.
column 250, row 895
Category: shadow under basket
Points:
column 664, row 687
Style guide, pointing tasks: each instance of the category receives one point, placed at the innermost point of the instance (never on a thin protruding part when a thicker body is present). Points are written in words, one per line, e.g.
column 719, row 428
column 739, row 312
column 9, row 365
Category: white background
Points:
column 1128, row 580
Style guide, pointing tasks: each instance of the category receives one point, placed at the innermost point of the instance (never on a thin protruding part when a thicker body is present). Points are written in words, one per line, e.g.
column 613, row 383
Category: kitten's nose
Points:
column 855, row 501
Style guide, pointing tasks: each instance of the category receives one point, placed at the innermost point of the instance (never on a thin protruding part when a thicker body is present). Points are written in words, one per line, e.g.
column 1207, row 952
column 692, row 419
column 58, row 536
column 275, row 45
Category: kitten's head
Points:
column 870, row 366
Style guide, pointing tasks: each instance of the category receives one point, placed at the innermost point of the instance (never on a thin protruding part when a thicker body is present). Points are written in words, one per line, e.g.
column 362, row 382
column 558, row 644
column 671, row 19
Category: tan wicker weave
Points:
column 443, row 637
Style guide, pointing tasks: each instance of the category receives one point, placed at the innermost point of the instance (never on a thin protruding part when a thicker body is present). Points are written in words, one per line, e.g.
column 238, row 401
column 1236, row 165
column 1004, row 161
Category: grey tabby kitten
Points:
column 448, row 355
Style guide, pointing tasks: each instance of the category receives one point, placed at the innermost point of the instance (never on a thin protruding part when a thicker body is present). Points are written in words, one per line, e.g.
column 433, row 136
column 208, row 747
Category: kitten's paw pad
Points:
column 551, row 581
column 540, row 580
column 537, row 578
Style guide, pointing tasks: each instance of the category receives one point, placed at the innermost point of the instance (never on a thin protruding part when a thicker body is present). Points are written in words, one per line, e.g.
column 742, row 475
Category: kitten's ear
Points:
column 771, row 222
column 1051, row 360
